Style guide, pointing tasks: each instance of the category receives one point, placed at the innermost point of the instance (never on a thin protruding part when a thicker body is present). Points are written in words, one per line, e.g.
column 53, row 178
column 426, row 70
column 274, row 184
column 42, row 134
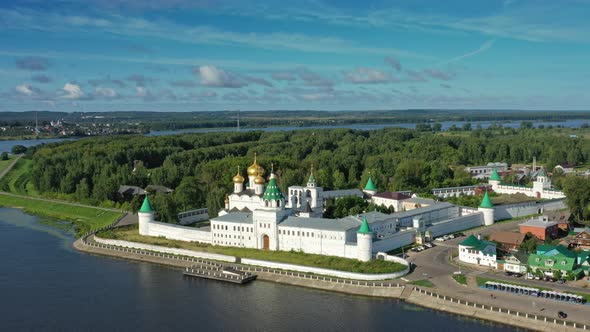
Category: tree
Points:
column 4, row 156
column 577, row 191
column 557, row 274
column 467, row 126
column 530, row 245
column 19, row 149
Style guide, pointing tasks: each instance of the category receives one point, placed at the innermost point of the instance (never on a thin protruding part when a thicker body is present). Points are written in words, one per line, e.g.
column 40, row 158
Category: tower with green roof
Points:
column 487, row 208
column 495, row 179
column 145, row 216
column 272, row 196
column 370, row 188
column 364, row 241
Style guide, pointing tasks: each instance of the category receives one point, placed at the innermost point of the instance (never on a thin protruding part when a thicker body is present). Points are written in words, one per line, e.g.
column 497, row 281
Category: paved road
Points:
column 434, row 264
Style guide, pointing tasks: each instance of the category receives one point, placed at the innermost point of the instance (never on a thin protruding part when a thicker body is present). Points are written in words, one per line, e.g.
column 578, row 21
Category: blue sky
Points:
column 181, row 55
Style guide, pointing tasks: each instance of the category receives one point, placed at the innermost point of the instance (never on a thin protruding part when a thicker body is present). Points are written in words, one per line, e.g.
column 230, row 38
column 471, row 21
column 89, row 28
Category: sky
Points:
column 207, row 55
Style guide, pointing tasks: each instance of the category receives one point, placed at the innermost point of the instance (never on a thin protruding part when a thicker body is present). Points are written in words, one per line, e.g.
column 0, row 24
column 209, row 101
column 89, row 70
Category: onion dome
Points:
column 238, row 178
column 255, row 169
column 259, row 180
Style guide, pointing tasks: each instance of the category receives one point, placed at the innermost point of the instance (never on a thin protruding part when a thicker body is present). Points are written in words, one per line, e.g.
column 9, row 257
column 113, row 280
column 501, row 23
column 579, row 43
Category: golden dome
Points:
column 259, row 180
column 255, row 169
column 238, row 178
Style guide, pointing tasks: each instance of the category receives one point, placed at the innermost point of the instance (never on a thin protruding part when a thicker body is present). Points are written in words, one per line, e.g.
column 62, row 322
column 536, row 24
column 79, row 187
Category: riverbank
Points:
column 388, row 289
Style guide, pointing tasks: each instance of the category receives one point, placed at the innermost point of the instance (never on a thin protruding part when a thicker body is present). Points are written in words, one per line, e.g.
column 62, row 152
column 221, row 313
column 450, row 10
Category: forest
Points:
column 199, row 167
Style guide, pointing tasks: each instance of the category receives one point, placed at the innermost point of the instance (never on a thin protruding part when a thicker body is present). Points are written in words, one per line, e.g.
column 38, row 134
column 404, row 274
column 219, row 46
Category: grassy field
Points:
column 460, row 278
column 422, row 282
column 83, row 218
column 18, row 180
column 130, row 233
column 4, row 163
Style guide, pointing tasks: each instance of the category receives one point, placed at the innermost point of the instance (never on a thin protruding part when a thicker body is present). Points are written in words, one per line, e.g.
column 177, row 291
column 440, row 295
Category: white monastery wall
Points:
column 456, row 224
column 178, row 232
column 395, row 241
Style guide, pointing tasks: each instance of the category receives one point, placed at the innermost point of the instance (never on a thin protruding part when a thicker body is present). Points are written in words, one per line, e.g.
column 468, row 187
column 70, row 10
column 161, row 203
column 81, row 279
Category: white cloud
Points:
column 216, row 77
column 362, row 75
column 140, row 91
column 109, row 93
column 26, row 90
column 484, row 47
column 72, row 91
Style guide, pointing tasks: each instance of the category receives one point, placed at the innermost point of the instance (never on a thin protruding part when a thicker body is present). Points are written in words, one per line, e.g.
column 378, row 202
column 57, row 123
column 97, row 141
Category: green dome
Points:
column 370, row 184
column 272, row 192
column 146, row 206
column 486, row 202
column 495, row 176
column 364, row 229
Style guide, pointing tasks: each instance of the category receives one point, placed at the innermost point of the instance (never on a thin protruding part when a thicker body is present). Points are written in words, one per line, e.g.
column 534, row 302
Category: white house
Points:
column 475, row 251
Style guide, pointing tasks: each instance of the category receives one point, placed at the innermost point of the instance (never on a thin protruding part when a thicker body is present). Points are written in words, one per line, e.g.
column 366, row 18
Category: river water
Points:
column 45, row 285
column 574, row 123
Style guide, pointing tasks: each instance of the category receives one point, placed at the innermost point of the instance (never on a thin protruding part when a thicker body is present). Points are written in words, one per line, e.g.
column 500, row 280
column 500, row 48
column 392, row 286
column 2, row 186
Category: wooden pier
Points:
column 219, row 272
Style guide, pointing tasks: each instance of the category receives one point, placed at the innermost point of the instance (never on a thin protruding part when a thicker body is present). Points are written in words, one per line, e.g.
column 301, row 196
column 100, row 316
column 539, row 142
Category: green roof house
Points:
column 479, row 252
column 550, row 258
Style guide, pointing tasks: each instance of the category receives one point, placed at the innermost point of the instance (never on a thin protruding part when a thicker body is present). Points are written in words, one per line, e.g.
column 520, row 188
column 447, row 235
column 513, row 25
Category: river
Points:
column 45, row 285
column 574, row 123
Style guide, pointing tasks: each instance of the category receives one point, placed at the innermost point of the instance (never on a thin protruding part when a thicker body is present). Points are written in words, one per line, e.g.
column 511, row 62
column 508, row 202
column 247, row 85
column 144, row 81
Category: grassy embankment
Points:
column 17, row 181
column 5, row 163
column 130, row 233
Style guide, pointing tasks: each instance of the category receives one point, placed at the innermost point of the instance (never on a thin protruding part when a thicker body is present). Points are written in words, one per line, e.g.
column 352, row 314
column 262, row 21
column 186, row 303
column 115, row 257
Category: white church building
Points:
column 257, row 215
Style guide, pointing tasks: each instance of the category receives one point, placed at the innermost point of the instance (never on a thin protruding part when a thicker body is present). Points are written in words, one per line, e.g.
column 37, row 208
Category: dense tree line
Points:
column 200, row 166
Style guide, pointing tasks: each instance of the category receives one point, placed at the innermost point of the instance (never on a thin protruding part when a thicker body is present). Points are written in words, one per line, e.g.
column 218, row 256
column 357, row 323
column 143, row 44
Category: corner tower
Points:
column 495, row 179
column 370, row 188
column 364, row 242
column 487, row 208
column 145, row 216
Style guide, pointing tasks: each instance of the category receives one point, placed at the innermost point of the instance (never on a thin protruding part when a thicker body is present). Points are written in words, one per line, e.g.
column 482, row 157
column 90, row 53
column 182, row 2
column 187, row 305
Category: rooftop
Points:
column 338, row 225
column 236, row 217
column 538, row 222
column 423, row 210
column 508, row 238
column 392, row 195
column 342, row 193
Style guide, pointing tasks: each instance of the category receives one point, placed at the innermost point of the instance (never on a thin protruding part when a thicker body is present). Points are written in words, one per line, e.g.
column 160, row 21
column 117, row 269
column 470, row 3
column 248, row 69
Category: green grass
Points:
column 5, row 163
column 130, row 233
column 84, row 218
column 460, row 278
column 18, row 179
column 422, row 282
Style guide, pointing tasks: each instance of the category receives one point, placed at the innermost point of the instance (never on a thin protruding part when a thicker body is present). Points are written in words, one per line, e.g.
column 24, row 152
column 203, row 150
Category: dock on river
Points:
column 219, row 272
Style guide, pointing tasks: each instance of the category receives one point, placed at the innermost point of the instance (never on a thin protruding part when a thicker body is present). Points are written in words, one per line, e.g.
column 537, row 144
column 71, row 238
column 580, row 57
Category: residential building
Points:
column 541, row 227
column 551, row 258
column 508, row 240
column 479, row 252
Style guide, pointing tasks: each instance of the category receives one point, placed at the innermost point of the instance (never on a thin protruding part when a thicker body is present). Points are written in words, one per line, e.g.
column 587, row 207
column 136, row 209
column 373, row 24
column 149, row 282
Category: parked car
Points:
column 441, row 239
column 451, row 236
column 562, row 315
column 517, row 275
column 460, row 234
column 508, row 273
column 561, row 281
column 529, row 276
column 428, row 245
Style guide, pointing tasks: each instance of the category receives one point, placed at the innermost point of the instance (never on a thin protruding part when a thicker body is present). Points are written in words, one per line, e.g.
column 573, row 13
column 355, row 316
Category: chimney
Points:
column 479, row 237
